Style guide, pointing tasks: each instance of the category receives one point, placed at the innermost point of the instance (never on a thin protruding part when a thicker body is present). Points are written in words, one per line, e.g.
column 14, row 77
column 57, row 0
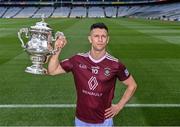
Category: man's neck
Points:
column 97, row 54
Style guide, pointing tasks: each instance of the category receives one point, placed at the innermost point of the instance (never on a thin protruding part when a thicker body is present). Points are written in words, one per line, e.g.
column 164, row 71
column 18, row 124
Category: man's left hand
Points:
column 112, row 111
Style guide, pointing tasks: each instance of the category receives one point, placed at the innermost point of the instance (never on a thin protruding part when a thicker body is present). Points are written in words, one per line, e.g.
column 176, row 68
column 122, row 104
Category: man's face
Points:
column 99, row 39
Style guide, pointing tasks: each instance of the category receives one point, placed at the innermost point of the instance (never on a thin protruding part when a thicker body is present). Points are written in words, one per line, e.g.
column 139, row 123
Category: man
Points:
column 95, row 75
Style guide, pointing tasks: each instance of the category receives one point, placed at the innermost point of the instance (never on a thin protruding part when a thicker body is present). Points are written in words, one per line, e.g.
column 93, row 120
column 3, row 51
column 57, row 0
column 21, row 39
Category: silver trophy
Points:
column 40, row 39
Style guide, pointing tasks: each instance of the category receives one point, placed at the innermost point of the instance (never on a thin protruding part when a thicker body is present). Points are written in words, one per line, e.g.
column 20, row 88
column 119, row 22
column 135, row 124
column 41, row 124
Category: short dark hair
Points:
column 98, row 25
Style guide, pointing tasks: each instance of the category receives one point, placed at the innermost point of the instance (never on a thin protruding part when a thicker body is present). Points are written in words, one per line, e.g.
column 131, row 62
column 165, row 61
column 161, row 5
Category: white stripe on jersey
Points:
column 64, row 60
column 83, row 54
column 109, row 57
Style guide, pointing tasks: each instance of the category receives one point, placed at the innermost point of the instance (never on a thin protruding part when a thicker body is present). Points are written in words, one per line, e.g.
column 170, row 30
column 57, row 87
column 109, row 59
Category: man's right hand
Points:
column 54, row 67
column 60, row 42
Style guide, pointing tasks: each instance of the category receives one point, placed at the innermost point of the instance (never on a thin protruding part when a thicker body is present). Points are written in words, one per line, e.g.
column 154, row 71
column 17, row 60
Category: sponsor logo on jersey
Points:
column 107, row 71
column 97, row 94
column 92, row 83
column 83, row 66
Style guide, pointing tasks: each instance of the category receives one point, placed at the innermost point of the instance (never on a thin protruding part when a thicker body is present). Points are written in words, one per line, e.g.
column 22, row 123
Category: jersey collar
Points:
column 96, row 61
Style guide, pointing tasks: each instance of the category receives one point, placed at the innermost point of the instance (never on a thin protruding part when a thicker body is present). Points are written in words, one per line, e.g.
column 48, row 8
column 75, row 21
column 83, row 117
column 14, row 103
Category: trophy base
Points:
column 36, row 70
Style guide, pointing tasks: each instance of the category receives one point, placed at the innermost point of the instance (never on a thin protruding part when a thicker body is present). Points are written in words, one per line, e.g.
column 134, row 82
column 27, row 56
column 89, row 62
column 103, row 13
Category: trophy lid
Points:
column 41, row 25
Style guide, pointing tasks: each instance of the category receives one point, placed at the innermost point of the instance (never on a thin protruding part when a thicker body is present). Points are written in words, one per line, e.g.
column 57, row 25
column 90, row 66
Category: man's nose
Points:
column 100, row 39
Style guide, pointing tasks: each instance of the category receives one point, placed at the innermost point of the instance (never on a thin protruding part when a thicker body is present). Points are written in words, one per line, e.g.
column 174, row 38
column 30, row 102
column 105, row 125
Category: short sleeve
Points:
column 122, row 73
column 67, row 64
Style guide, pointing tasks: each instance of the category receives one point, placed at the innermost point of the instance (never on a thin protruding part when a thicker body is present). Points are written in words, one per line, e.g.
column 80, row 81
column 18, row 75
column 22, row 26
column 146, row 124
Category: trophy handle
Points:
column 53, row 52
column 58, row 33
column 23, row 30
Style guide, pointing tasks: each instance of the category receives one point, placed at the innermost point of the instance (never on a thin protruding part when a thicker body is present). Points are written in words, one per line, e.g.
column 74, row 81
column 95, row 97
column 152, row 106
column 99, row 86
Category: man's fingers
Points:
column 108, row 109
column 109, row 114
column 50, row 47
column 61, row 37
column 60, row 43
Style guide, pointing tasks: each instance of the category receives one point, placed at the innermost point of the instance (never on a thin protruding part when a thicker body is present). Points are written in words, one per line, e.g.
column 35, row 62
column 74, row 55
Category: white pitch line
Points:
column 37, row 105
column 74, row 105
column 153, row 105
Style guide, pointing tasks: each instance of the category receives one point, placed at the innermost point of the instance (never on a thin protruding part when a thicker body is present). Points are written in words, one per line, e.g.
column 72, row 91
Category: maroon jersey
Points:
column 95, row 83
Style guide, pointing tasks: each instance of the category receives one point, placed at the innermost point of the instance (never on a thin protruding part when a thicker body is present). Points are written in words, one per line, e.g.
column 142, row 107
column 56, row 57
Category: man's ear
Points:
column 89, row 38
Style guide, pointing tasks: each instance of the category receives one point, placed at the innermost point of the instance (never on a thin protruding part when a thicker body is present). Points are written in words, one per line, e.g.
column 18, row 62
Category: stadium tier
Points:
column 169, row 11
column 61, row 12
column 78, row 12
column 26, row 12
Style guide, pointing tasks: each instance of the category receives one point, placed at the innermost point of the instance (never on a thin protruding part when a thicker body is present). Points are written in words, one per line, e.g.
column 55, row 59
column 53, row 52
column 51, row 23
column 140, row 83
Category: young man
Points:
column 95, row 74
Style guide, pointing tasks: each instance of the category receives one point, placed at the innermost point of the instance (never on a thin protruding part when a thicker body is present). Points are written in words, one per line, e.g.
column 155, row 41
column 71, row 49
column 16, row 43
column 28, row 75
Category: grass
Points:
column 149, row 49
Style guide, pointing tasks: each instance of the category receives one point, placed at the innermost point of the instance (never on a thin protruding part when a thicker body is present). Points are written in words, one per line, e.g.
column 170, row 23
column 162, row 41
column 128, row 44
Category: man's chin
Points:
column 99, row 49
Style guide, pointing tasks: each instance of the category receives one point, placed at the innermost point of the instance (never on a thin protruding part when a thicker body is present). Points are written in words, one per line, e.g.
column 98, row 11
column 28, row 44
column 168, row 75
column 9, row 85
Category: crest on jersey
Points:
column 107, row 71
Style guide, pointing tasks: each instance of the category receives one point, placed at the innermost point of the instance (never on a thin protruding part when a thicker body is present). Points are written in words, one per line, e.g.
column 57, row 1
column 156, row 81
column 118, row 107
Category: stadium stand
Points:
column 46, row 11
column 96, row 12
column 148, row 9
column 110, row 11
column 122, row 11
column 2, row 11
column 26, row 12
column 12, row 12
column 61, row 12
column 78, row 12
column 163, row 12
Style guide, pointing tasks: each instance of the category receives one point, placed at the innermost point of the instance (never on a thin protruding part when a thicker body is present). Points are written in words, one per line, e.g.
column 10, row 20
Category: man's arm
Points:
column 54, row 67
column 115, row 109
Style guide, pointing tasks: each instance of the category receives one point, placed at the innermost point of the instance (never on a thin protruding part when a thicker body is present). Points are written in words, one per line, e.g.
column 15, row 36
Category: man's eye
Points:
column 104, row 36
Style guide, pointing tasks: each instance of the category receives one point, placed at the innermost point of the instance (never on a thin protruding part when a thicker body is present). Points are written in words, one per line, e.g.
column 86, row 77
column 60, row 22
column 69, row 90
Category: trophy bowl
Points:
column 39, row 39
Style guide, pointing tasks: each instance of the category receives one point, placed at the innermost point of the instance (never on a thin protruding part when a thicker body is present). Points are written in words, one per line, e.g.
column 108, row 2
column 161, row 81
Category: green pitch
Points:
column 149, row 49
